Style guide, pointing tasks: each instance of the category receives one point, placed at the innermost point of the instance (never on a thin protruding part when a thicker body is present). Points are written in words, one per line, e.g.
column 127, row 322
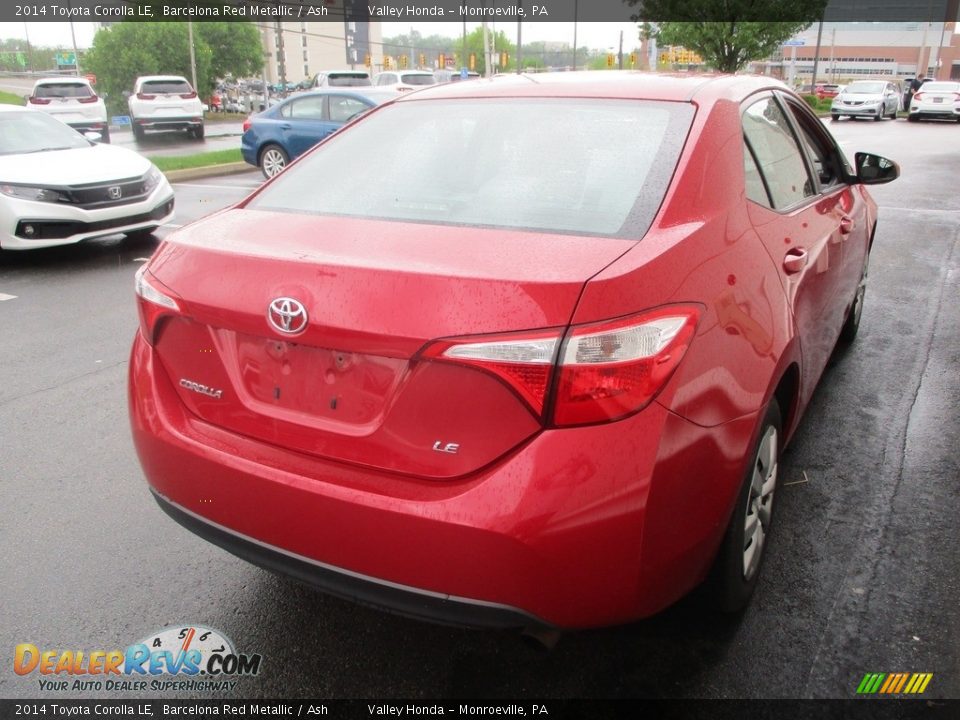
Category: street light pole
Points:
column 193, row 58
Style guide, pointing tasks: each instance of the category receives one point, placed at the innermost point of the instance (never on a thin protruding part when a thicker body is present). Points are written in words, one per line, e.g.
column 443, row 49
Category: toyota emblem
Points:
column 287, row 315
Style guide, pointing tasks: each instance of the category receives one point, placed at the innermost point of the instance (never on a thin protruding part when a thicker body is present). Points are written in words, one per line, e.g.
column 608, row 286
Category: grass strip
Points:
column 10, row 99
column 185, row 162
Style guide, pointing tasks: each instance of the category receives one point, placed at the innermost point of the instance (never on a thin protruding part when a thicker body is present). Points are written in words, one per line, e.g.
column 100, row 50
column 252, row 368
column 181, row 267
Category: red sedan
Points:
column 519, row 353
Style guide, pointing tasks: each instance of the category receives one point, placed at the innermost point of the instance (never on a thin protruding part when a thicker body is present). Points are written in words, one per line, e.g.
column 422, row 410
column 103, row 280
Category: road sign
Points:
column 795, row 42
column 66, row 58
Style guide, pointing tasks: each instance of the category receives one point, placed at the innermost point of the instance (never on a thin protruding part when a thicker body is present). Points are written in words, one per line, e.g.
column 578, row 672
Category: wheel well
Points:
column 265, row 147
column 787, row 394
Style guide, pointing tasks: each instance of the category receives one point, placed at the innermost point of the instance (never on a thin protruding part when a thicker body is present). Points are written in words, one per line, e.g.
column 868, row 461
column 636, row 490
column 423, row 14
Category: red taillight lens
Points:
column 610, row 370
column 145, row 96
column 918, row 96
column 91, row 99
column 524, row 361
column 39, row 101
column 247, row 123
column 152, row 302
column 188, row 96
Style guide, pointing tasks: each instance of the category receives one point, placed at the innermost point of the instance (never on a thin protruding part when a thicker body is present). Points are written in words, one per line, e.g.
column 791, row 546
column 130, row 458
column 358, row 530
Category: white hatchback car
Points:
column 936, row 99
column 58, row 188
column 71, row 100
column 165, row 102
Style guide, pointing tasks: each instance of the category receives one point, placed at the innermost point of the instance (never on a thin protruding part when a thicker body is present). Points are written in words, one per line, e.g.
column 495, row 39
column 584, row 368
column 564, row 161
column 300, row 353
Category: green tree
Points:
column 234, row 46
column 727, row 34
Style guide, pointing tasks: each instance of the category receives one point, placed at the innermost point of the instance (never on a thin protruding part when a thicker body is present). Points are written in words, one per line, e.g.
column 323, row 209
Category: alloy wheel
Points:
column 760, row 502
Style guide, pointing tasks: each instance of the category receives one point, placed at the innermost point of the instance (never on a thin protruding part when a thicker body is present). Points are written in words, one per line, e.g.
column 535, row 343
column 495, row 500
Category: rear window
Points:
column 418, row 79
column 167, row 87
column 348, row 80
column 63, row 90
column 596, row 167
column 941, row 87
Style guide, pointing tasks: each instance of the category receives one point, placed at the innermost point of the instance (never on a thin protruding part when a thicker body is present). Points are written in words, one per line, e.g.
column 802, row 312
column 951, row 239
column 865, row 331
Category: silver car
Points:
column 877, row 99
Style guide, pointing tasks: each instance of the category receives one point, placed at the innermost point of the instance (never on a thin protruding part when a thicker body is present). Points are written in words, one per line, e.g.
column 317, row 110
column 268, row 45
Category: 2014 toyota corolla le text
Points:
column 517, row 353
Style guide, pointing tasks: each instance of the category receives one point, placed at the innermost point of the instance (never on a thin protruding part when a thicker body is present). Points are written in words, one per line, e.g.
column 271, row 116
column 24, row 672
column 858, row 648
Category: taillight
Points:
column 145, row 96
column 610, row 370
column 39, row 101
column 92, row 99
column 598, row 373
column 152, row 302
column 247, row 123
column 524, row 361
column 188, row 96
column 918, row 96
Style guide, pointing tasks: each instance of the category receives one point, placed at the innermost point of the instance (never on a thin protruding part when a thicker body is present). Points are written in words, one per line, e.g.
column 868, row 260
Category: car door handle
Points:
column 285, row 126
column 795, row 260
column 846, row 225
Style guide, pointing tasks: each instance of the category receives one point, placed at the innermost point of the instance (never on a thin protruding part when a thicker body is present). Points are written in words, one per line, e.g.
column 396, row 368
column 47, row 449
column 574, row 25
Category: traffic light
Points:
column 441, row 61
column 403, row 62
column 504, row 59
column 473, row 61
column 367, row 60
column 611, row 60
column 387, row 62
column 423, row 60
column 633, row 59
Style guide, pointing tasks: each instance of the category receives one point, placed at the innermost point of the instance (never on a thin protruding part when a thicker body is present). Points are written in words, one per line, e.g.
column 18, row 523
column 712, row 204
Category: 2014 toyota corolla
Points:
column 521, row 352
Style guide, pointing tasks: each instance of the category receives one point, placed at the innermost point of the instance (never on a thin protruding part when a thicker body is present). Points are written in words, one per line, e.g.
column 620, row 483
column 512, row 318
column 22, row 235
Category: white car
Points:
column 73, row 101
column 165, row 102
column 58, row 187
column 936, row 99
column 404, row 80
column 341, row 78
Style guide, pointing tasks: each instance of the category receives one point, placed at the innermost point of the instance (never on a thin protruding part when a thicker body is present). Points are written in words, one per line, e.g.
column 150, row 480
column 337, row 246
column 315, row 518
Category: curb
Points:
column 234, row 168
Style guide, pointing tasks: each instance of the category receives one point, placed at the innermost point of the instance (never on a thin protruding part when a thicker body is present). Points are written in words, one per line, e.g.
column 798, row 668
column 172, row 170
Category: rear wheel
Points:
column 849, row 330
column 737, row 567
column 138, row 132
column 912, row 118
column 834, row 117
column 197, row 132
column 105, row 135
column 273, row 159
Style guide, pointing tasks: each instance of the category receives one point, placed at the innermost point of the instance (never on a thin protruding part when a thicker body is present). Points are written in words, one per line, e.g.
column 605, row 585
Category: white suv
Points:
column 403, row 80
column 71, row 100
column 165, row 102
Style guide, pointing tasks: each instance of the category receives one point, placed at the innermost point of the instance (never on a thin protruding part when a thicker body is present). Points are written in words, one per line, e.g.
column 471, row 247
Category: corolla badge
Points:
column 287, row 315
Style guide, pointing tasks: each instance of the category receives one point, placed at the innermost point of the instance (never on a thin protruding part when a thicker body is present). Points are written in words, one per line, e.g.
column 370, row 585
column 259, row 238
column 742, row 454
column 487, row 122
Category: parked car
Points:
column 278, row 135
column 937, row 99
column 404, row 80
column 866, row 98
column 459, row 374
column 58, row 187
column 827, row 90
column 341, row 78
column 165, row 102
column 73, row 101
column 445, row 76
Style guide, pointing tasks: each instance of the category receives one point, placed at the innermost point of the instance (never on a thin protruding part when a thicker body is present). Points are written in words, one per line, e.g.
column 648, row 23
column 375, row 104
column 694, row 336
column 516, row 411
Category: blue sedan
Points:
column 278, row 135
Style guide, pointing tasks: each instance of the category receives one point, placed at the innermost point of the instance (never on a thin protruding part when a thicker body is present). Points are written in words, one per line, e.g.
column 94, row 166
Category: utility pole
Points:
column 574, row 34
column 76, row 55
column 520, row 44
column 486, row 50
column 29, row 51
column 816, row 57
column 193, row 57
column 281, row 58
column 833, row 66
column 921, row 68
column 620, row 52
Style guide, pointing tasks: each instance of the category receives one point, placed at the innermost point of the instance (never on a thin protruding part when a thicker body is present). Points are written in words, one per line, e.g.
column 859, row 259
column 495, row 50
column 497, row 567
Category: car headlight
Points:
column 154, row 176
column 26, row 192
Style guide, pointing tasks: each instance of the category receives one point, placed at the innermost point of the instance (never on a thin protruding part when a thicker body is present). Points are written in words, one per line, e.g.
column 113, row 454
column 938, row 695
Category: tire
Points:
column 138, row 132
column 893, row 113
column 912, row 118
column 273, row 159
column 848, row 332
column 105, row 136
column 197, row 132
column 737, row 567
column 834, row 117
column 879, row 116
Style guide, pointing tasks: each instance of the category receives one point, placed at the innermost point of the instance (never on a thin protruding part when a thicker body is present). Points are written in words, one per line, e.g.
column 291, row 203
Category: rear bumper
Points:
column 579, row 527
column 941, row 111
column 169, row 123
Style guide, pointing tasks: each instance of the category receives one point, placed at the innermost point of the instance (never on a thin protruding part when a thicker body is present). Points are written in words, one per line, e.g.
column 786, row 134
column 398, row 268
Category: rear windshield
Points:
column 595, row 167
column 941, row 87
column 63, row 90
column 348, row 80
column 167, row 87
column 418, row 79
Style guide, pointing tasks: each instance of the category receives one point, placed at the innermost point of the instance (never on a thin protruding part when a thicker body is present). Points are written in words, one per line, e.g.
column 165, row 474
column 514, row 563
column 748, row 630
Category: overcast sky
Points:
column 592, row 35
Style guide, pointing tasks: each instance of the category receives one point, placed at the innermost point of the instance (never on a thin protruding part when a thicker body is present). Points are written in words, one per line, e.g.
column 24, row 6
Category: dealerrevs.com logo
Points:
column 178, row 658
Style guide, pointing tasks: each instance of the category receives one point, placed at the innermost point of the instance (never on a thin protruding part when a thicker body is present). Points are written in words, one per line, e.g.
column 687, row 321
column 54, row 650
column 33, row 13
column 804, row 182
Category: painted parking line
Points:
column 4, row 296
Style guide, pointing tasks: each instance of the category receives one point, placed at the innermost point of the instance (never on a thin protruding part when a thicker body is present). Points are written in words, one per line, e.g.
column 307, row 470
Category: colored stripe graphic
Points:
column 894, row 683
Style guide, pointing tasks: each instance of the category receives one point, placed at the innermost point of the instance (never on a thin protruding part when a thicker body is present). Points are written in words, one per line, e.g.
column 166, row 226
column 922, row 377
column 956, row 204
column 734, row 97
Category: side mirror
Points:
column 875, row 170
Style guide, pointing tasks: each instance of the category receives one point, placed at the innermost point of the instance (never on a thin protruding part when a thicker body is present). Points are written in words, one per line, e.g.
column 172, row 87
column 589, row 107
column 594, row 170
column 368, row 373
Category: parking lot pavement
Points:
column 217, row 136
column 862, row 573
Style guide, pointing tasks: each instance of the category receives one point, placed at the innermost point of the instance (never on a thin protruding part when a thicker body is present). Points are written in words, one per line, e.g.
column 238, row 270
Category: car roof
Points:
column 676, row 87
column 150, row 78
column 346, row 90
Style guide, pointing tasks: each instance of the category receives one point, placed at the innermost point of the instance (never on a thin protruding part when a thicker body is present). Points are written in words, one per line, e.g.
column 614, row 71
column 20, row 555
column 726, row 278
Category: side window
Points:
column 777, row 153
column 343, row 109
column 756, row 190
column 308, row 108
column 820, row 149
